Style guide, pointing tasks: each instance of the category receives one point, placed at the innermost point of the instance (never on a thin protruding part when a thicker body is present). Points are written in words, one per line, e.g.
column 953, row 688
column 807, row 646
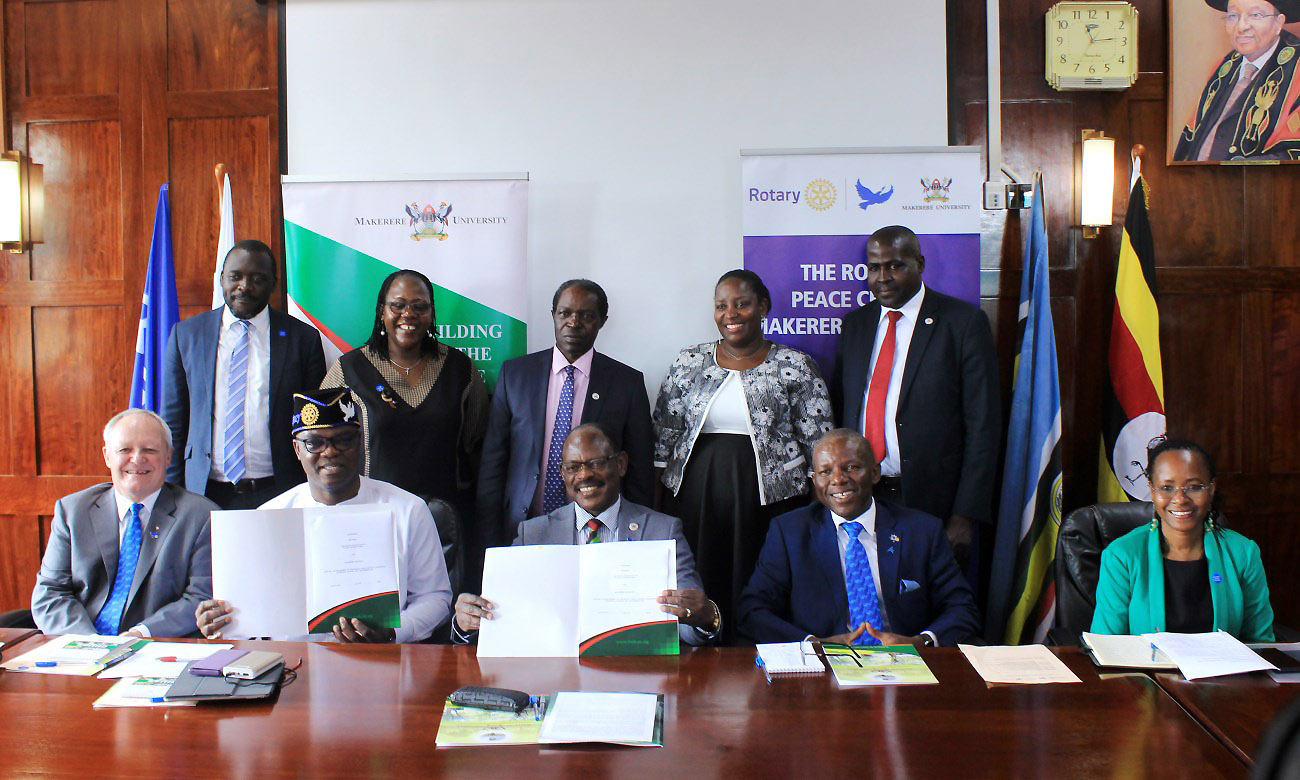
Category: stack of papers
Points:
column 465, row 726
column 75, row 654
column 1018, row 664
column 1126, row 651
column 635, row 719
column 872, row 665
column 1212, row 654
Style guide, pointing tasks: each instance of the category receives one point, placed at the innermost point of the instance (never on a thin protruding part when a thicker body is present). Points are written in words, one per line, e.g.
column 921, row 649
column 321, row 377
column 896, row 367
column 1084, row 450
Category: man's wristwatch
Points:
column 928, row 641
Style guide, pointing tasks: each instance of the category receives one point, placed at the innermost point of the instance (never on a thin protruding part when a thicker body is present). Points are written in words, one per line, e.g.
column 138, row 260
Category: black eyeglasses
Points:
column 572, row 467
column 342, row 442
column 418, row 308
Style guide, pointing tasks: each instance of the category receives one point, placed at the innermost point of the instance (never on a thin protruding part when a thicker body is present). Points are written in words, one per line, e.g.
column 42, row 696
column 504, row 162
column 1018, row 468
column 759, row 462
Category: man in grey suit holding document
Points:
column 593, row 471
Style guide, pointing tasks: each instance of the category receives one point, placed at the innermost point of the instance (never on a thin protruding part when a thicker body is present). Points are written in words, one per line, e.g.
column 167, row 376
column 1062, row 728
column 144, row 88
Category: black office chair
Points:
column 19, row 618
column 451, row 533
column 1278, row 754
column 1084, row 533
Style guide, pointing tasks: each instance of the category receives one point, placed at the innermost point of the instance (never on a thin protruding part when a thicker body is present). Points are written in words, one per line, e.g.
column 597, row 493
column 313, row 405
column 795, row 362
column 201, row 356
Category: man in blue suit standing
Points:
column 539, row 398
column 853, row 570
column 230, row 372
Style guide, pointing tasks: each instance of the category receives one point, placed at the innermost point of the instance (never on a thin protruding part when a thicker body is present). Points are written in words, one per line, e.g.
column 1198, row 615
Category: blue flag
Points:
column 158, row 313
column 1022, row 588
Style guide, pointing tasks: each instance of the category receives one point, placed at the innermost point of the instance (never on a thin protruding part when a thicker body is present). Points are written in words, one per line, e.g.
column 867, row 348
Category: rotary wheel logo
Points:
column 310, row 414
column 819, row 194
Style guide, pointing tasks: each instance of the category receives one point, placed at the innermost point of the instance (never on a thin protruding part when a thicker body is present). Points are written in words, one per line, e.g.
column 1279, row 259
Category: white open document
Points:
column 570, row 600
column 293, row 571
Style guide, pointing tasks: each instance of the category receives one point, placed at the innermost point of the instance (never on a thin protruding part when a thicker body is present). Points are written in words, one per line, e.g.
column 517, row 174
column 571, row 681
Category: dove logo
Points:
column 870, row 197
column 349, row 410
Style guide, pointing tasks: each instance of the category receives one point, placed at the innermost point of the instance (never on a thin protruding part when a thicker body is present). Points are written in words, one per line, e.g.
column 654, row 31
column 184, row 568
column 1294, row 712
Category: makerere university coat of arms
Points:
column 430, row 222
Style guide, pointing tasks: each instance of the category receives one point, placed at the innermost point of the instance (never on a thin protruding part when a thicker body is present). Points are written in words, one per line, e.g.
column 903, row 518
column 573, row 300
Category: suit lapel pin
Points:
column 633, row 526
column 282, row 333
column 894, row 538
column 596, row 397
column 154, row 533
column 929, row 320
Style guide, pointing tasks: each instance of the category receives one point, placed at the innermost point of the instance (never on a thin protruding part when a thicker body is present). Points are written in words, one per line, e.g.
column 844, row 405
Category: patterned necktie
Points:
column 861, row 586
column 109, row 619
column 233, row 462
column 1243, row 81
column 593, row 531
column 874, row 428
column 553, row 495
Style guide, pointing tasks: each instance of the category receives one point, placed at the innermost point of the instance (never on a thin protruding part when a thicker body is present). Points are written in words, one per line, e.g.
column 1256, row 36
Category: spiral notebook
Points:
column 788, row 658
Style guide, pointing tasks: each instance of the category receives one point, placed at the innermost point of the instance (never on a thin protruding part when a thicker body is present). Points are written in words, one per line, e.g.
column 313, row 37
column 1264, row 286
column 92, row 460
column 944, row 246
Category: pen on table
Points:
column 536, row 702
column 1154, row 650
column 46, row 664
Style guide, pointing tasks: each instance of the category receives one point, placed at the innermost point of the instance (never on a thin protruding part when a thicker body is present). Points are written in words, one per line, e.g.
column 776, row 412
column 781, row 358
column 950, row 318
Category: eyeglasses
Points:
column 1191, row 491
column 572, row 467
column 342, row 442
column 418, row 308
column 1254, row 17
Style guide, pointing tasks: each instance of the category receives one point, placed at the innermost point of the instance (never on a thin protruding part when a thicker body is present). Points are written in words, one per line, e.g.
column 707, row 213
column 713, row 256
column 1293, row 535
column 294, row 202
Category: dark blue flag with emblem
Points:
column 158, row 313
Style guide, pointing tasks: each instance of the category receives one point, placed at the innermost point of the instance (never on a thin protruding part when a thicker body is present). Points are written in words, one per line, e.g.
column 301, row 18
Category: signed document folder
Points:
column 293, row 571
column 579, row 600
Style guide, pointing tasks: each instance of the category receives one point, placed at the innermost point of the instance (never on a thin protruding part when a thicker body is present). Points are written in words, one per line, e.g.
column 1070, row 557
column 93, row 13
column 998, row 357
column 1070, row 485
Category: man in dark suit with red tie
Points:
column 916, row 372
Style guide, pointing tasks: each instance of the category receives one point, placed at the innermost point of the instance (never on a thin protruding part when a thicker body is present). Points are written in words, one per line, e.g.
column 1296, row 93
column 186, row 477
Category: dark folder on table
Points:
column 193, row 687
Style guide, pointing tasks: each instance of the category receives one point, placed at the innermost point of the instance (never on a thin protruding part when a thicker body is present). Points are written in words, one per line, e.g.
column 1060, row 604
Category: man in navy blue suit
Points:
column 798, row 588
column 230, row 372
column 517, row 451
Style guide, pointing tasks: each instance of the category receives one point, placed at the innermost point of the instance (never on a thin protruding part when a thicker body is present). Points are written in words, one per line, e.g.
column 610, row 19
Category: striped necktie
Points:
column 236, row 390
column 109, row 619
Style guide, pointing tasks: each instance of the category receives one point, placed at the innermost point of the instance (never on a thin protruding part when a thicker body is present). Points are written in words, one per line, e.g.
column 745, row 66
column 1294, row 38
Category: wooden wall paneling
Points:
column 18, row 456
column 197, row 145
column 83, row 377
column 20, row 558
column 238, row 53
column 1282, row 420
column 73, row 46
column 1203, row 373
column 1270, row 235
column 83, row 196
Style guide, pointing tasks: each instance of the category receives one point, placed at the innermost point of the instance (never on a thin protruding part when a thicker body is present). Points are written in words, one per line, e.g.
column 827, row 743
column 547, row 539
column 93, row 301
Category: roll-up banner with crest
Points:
column 806, row 216
column 468, row 235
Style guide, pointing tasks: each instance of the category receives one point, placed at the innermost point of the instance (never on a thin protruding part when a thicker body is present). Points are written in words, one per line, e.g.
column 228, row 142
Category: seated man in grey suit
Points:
column 593, row 475
column 130, row 556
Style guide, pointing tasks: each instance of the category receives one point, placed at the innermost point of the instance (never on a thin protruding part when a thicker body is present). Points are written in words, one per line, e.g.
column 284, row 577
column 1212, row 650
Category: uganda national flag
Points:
column 1133, row 405
column 1022, row 592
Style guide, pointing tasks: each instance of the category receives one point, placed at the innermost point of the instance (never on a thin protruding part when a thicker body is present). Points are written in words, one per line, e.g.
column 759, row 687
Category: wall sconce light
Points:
column 1096, row 182
column 22, row 202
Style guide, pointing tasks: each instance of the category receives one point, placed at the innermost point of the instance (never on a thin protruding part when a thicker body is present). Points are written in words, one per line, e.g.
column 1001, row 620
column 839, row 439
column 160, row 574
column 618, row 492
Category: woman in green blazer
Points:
column 1183, row 572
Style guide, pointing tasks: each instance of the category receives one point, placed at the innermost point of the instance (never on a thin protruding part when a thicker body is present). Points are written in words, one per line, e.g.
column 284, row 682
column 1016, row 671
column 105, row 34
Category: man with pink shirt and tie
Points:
column 542, row 396
column 916, row 373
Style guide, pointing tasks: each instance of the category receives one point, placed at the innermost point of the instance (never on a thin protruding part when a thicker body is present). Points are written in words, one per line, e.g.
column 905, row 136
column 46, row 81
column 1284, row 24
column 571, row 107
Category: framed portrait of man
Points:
column 1234, row 92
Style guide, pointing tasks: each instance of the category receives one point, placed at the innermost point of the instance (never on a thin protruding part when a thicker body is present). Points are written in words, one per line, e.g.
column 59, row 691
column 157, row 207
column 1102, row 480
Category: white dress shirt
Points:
column 257, row 399
column 892, row 465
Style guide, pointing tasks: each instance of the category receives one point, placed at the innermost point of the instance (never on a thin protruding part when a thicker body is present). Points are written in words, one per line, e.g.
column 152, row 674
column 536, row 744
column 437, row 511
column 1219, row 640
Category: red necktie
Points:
column 593, row 531
column 874, row 429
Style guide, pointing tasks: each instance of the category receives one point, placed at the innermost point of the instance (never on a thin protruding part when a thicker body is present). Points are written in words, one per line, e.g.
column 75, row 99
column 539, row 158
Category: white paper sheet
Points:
column 1211, row 654
column 620, row 584
column 535, row 592
column 71, row 654
column 351, row 554
column 588, row 716
column 259, row 566
column 1024, row 664
column 1125, row 651
column 145, row 661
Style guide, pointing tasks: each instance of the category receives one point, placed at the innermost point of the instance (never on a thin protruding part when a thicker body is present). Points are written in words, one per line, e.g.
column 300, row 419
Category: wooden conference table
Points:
column 374, row 710
column 1234, row 709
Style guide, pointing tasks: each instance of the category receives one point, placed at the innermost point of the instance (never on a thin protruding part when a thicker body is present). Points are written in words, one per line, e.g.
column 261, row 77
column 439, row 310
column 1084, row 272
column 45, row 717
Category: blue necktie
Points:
column 233, row 462
column 553, row 494
column 863, row 606
column 109, row 619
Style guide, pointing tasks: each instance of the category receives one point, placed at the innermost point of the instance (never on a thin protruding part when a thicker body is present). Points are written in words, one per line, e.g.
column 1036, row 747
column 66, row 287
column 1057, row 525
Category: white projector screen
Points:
column 628, row 116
